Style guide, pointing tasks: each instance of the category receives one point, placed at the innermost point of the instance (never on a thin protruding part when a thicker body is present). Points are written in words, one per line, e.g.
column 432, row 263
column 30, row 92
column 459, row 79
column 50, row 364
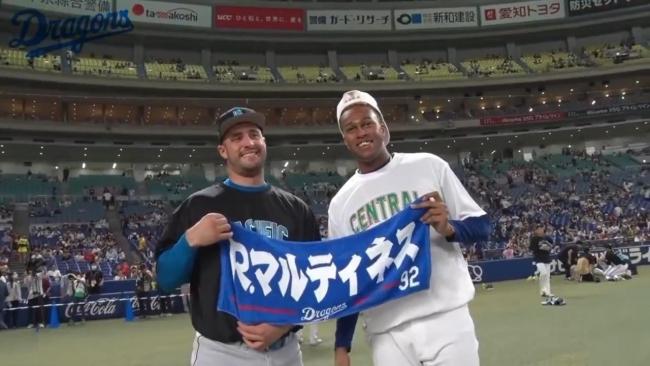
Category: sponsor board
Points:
column 239, row 17
column 76, row 7
column 523, row 119
column 522, row 12
column 159, row 12
column 612, row 109
column 584, row 7
column 435, row 18
column 349, row 20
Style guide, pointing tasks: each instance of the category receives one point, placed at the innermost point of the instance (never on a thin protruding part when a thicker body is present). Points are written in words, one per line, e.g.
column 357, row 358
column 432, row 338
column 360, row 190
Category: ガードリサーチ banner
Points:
column 349, row 20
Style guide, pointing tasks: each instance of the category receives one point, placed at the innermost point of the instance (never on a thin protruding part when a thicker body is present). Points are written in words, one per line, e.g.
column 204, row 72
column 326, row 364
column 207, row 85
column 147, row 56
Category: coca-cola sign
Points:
column 97, row 307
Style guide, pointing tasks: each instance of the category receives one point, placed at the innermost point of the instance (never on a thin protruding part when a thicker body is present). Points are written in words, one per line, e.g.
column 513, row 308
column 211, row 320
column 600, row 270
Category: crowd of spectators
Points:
column 503, row 65
column 84, row 243
column 143, row 229
column 560, row 60
column 584, row 207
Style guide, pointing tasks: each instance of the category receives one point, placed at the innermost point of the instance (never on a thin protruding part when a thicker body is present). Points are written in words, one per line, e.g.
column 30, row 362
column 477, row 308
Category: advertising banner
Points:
column 109, row 304
column 525, row 118
column 583, row 7
column 437, row 18
column 611, row 109
column 522, row 12
column 239, row 17
column 158, row 12
column 349, row 20
column 77, row 7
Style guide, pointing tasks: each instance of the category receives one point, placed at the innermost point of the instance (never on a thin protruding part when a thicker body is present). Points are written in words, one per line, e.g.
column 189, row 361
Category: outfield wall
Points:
column 513, row 269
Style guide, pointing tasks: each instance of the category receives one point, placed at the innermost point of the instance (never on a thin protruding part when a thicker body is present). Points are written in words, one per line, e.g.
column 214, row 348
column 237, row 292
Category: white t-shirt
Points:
column 366, row 200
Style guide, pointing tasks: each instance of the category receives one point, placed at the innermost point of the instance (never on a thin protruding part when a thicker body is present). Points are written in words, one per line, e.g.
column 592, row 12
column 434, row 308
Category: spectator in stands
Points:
column 121, row 256
column 120, row 276
column 36, row 261
column 79, row 257
column 94, row 279
column 107, row 198
column 23, row 248
column 4, row 263
column 509, row 252
column 7, row 240
column 142, row 243
column 111, row 255
column 89, row 256
column 124, row 268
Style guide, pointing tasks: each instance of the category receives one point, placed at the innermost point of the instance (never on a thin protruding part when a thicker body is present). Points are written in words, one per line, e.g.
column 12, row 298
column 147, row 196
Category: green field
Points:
column 602, row 324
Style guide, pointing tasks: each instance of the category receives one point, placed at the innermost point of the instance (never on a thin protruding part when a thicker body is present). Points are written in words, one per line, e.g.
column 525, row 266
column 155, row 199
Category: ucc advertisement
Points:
column 582, row 7
column 435, row 18
column 522, row 12
column 240, row 17
column 158, row 12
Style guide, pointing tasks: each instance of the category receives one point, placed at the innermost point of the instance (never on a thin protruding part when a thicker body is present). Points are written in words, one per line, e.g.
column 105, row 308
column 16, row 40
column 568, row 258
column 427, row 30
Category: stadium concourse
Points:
column 541, row 108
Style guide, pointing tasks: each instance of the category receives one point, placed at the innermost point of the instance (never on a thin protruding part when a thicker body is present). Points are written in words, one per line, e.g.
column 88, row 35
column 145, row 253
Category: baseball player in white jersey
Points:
column 432, row 327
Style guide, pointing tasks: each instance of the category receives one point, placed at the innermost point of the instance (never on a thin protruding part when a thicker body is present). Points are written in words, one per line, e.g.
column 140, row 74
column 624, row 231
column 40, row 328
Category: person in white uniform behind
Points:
column 434, row 326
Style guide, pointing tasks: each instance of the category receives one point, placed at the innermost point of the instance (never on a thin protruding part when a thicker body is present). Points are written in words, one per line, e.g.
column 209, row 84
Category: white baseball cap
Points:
column 354, row 97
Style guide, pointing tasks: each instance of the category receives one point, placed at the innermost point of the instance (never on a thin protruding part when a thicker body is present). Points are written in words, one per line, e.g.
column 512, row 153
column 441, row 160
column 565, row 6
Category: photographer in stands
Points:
column 94, row 279
column 143, row 288
column 80, row 295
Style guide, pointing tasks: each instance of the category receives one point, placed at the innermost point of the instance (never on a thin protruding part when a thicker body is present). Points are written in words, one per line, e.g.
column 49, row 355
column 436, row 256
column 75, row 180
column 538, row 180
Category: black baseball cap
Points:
column 237, row 115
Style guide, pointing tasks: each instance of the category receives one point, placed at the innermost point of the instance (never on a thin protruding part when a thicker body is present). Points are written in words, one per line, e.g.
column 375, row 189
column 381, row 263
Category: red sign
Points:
column 521, row 119
column 259, row 18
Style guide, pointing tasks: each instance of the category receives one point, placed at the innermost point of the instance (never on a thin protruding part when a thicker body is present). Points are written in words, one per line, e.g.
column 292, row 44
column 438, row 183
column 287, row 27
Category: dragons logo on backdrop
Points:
column 41, row 35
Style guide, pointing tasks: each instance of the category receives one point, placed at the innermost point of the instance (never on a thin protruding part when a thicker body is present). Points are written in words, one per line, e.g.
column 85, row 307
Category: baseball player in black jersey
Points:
column 189, row 251
column 541, row 246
